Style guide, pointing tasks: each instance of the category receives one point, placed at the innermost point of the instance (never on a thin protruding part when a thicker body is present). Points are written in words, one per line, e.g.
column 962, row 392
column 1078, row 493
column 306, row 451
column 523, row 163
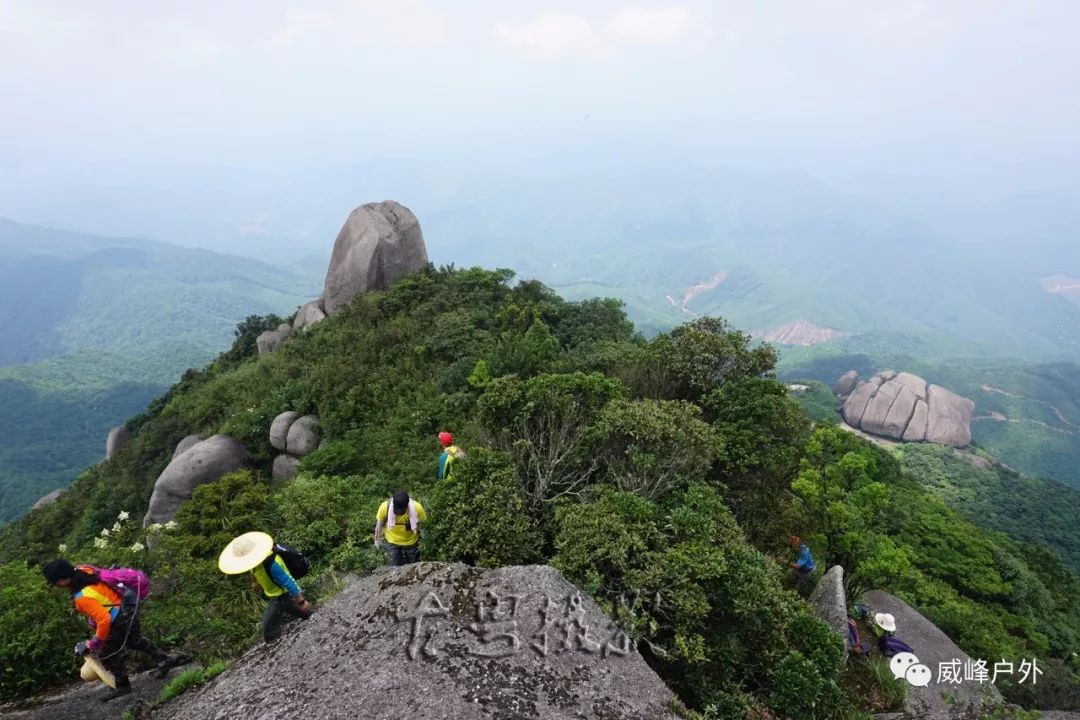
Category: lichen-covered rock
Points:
column 279, row 429
column 378, row 244
column 309, row 314
column 186, row 444
column 271, row 340
column 118, row 437
column 433, row 641
column 202, row 463
column 48, row 499
column 932, row 647
column 286, row 467
column 303, row 436
column 830, row 601
column 846, row 384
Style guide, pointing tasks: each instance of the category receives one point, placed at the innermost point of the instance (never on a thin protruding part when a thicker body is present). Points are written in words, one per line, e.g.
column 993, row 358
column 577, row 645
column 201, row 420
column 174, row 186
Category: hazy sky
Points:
column 208, row 122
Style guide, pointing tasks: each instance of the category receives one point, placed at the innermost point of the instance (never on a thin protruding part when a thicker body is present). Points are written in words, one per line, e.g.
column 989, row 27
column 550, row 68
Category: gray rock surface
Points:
column 303, row 436
column 279, row 429
column 846, row 384
column 286, row 467
column 916, row 429
column 271, row 340
column 202, row 463
column 436, row 641
column 308, row 315
column 378, row 244
column 118, row 437
column 932, row 647
column 905, row 407
column 80, row 700
column 949, row 422
column 186, row 444
column 48, row 499
column 830, row 601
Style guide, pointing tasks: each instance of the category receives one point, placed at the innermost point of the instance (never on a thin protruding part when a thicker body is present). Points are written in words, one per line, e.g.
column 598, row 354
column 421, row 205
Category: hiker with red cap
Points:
column 450, row 453
column 113, row 613
column 401, row 517
column 802, row 566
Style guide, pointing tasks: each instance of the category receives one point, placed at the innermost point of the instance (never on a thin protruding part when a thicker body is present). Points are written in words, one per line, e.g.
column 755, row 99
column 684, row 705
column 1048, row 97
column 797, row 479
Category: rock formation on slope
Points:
column 201, row 463
column 48, row 499
column 829, row 601
column 433, row 640
column 905, row 407
column 118, row 437
column 933, row 647
column 802, row 333
column 295, row 436
column 379, row 244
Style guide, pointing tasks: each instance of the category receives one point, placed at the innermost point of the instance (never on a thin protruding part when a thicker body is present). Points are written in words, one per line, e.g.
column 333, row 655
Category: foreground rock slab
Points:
column 437, row 641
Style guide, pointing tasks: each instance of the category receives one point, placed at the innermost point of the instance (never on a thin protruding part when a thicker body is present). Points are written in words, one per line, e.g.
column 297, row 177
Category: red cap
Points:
column 446, row 438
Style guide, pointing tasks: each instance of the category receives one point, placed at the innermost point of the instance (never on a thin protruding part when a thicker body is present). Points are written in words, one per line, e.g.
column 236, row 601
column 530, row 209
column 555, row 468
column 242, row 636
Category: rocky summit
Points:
column 439, row 641
column 905, row 407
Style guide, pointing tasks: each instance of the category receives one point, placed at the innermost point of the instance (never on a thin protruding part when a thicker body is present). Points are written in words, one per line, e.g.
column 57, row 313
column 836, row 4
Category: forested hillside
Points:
column 94, row 328
column 670, row 470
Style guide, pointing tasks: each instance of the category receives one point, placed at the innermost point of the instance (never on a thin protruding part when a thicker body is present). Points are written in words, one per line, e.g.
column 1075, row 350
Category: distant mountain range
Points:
column 93, row 328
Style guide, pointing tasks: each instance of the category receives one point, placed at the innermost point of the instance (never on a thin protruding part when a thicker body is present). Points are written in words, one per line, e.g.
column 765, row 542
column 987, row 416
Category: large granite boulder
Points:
column 48, row 499
column 118, row 437
column 286, row 467
column 303, row 436
column 202, row 463
column 846, row 384
column 449, row 642
column 186, row 444
column 279, row 429
column 309, row 314
column 933, row 647
column 379, row 244
column 271, row 340
column 829, row 601
column 905, row 407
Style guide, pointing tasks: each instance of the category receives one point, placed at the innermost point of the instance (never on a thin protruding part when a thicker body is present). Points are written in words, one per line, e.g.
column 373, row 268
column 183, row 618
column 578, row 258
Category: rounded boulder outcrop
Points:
column 846, row 384
column 279, row 429
column 118, row 437
column 204, row 462
column 433, row 641
column 286, row 467
column 48, row 499
column 378, row 244
column 271, row 340
column 905, row 407
column 304, row 436
column 186, row 444
column 308, row 315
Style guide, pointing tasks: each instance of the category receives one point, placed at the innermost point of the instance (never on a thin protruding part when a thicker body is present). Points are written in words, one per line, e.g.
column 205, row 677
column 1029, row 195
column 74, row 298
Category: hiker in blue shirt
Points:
column 802, row 566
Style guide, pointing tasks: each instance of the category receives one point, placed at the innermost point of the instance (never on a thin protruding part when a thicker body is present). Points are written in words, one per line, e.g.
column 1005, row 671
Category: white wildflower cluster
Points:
column 117, row 526
column 62, row 547
column 172, row 525
column 154, row 528
column 124, row 515
column 104, row 532
column 101, row 542
column 138, row 547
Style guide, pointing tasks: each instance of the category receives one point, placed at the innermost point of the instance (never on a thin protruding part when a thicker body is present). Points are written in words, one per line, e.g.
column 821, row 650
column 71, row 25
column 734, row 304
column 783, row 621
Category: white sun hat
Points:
column 245, row 553
column 92, row 669
column 885, row 621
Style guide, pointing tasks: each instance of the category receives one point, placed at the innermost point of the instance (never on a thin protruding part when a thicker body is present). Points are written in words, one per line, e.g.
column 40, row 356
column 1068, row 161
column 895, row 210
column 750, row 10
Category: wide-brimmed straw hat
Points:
column 245, row 553
column 885, row 621
column 92, row 669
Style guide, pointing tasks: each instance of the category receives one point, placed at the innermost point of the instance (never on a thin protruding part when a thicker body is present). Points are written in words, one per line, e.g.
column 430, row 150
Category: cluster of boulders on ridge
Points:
column 195, row 462
column 379, row 244
column 905, row 407
column 295, row 435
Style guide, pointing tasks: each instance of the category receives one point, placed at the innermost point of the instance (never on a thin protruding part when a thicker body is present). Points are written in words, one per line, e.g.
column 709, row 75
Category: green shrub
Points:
column 479, row 516
column 337, row 458
column 38, row 629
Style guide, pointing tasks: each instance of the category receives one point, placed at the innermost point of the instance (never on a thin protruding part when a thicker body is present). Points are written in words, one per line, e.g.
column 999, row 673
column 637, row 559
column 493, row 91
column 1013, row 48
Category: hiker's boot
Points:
column 167, row 664
column 118, row 691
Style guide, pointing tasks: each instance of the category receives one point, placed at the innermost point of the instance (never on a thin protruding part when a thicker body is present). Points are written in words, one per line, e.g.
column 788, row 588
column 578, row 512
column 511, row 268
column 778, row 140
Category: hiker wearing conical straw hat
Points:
column 256, row 553
column 116, row 624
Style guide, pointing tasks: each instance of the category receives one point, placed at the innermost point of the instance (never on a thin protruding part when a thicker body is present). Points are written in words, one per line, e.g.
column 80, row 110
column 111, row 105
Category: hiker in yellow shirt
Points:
column 402, row 528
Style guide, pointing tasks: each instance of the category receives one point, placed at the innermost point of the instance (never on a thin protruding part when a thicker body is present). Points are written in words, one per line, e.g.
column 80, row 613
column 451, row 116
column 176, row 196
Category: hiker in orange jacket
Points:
column 116, row 624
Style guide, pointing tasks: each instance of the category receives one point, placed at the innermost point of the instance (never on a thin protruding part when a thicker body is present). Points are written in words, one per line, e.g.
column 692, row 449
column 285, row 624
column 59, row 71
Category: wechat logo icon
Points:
column 905, row 665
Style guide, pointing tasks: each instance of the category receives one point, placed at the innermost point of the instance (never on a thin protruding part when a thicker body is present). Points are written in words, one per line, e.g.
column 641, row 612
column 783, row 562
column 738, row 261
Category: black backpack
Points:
column 294, row 560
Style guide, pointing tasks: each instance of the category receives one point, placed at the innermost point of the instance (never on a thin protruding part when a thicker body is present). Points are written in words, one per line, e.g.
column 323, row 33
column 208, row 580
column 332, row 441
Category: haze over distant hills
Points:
column 94, row 328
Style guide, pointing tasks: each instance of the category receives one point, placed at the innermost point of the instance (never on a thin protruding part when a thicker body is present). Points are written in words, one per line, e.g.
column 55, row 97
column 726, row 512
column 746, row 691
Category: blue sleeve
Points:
column 806, row 560
column 282, row 577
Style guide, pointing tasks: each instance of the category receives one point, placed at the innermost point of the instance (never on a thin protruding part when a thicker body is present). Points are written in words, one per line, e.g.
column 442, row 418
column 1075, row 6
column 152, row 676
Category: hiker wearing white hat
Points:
column 885, row 621
column 256, row 553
